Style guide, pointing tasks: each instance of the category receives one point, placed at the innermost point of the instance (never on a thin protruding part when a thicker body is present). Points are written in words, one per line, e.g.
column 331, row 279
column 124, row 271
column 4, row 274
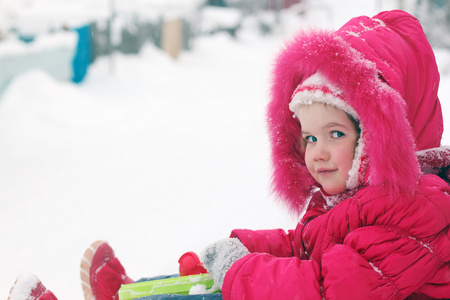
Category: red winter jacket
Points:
column 391, row 239
column 367, row 247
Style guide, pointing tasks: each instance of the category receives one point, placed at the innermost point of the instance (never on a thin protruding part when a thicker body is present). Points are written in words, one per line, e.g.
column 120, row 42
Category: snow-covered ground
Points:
column 159, row 158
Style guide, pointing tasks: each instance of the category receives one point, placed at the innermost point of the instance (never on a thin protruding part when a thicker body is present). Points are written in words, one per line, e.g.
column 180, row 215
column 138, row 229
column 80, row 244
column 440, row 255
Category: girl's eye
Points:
column 311, row 139
column 337, row 134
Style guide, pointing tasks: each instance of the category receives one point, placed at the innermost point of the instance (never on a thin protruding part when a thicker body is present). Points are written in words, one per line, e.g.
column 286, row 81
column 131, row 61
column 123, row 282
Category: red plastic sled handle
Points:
column 190, row 264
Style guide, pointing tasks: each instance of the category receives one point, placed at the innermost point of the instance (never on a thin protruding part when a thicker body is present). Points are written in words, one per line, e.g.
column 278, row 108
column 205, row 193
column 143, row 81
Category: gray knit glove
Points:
column 218, row 257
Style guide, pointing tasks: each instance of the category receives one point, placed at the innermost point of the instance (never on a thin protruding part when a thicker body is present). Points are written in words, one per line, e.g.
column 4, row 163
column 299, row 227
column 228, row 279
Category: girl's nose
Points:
column 321, row 152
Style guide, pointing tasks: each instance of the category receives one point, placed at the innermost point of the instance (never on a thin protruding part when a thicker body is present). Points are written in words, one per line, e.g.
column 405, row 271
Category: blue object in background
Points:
column 26, row 38
column 82, row 58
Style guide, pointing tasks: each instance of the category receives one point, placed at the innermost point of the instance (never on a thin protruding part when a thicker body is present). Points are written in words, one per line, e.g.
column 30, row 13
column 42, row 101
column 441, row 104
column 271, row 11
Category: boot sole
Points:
column 85, row 269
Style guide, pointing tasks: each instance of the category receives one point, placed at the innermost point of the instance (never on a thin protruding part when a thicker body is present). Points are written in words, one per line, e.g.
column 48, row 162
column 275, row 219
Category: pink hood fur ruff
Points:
column 387, row 72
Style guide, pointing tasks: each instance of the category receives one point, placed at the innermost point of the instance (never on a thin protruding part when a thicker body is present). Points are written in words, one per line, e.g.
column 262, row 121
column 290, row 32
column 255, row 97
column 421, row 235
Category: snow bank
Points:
column 53, row 53
column 157, row 159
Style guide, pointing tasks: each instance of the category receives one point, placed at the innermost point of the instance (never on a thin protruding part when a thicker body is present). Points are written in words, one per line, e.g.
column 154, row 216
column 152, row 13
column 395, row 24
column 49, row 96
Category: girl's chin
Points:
column 334, row 190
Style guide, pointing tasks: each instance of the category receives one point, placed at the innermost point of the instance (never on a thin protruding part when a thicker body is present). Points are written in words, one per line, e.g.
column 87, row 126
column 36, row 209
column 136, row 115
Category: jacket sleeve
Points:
column 275, row 242
column 386, row 266
column 263, row 276
column 402, row 251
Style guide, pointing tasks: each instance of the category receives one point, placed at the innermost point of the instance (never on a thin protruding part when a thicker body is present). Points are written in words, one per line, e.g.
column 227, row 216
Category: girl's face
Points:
column 330, row 144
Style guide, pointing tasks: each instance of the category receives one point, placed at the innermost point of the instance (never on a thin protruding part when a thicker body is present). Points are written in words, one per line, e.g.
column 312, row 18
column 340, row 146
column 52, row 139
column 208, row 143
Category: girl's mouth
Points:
column 324, row 171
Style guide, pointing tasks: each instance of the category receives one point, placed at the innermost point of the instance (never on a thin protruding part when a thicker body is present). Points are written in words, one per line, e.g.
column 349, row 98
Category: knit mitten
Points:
column 219, row 256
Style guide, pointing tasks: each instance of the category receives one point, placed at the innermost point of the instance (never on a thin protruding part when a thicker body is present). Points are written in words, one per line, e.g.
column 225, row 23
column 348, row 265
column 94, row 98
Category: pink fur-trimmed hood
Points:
column 387, row 72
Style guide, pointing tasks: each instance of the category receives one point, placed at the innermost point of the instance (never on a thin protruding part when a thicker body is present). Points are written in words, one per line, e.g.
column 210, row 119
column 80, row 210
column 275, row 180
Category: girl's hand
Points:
column 219, row 256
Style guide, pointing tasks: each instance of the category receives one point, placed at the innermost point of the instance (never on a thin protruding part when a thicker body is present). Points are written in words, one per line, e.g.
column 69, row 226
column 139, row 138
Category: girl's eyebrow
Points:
column 332, row 124
column 305, row 132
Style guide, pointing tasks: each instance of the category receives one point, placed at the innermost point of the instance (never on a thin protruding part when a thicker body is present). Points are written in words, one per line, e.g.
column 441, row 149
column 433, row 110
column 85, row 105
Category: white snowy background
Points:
column 159, row 158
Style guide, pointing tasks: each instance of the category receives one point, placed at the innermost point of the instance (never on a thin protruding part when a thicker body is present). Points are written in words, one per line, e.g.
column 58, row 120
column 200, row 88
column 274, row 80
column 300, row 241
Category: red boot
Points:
column 101, row 273
column 28, row 286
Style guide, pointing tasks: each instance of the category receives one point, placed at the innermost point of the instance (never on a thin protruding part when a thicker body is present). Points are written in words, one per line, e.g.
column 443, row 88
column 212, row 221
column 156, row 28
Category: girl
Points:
column 355, row 127
column 376, row 227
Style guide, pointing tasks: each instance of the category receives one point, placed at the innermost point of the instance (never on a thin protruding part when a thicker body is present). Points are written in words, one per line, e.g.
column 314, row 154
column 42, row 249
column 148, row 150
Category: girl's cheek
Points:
column 308, row 164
